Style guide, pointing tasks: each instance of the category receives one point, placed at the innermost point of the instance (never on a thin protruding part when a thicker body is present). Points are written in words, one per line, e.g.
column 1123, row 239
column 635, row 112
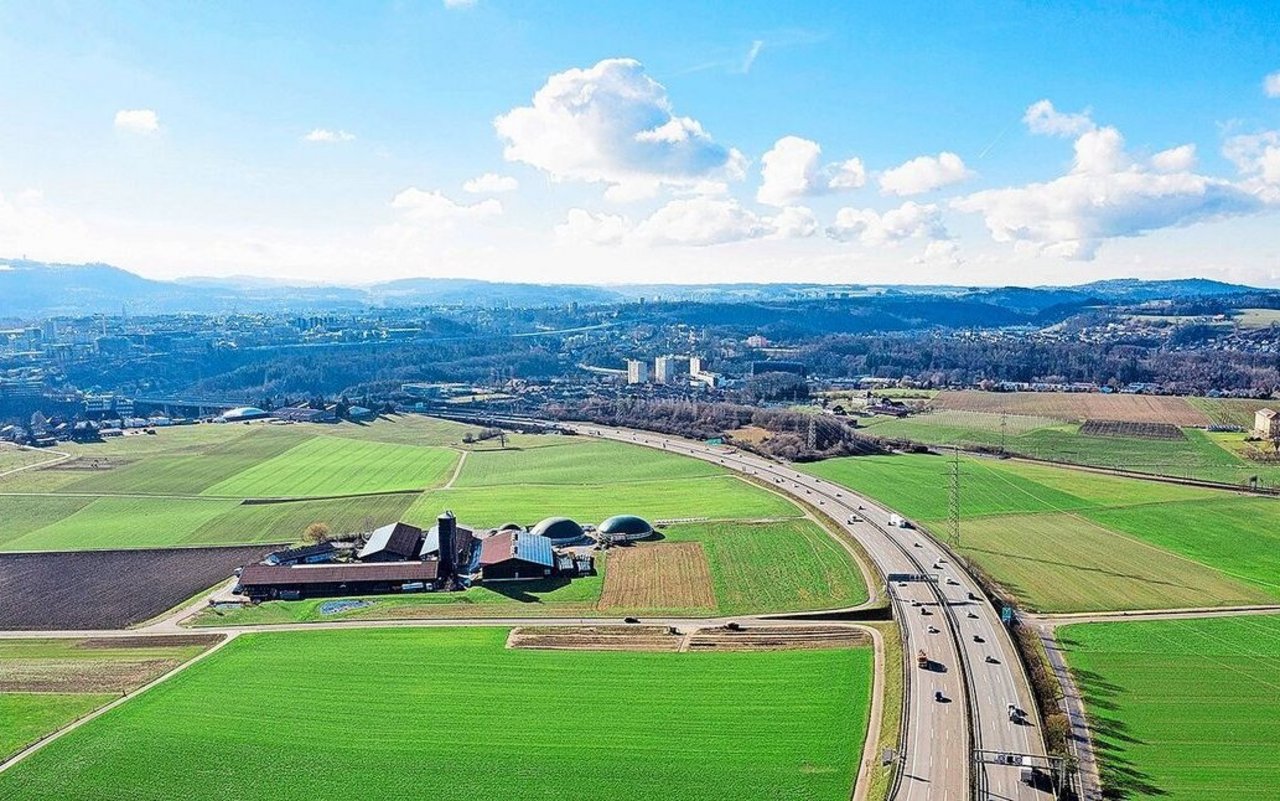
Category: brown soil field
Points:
column 596, row 638
column 658, row 576
column 776, row 638
column 1120, row 428
column 108, row 589
column 1074, row 406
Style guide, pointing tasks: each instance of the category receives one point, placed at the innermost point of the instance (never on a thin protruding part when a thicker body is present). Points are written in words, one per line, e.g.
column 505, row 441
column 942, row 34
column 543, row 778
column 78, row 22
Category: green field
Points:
column 1067, row 540
column 1182, row 709
column 46, row 684
column 578, row 461
column 1209, row 456
column 741, row 726
column 116, row 521
column 761, row 567
column 713, row 498
column 327, row 466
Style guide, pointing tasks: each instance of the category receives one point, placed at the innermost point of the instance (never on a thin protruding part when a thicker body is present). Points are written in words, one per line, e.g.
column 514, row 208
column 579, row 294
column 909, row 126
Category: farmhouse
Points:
column 512, row 555
column 1266, row 423
column 311, row 581
column 395, row 542
column 304, row 555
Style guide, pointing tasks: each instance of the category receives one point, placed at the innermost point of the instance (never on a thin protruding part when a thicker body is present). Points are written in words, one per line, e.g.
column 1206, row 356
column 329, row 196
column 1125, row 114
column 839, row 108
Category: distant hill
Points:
column 30, row 289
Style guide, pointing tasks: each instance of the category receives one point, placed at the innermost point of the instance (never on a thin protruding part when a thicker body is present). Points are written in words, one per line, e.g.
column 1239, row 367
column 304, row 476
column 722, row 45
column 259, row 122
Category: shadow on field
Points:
column 1121, row 778
column 523, row 590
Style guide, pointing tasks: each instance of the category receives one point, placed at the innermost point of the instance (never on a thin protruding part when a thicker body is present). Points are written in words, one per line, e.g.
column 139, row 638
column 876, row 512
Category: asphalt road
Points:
column 940, row 618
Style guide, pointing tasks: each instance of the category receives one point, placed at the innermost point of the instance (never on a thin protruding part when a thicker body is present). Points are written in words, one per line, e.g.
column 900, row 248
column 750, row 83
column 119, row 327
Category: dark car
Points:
column 631, row 620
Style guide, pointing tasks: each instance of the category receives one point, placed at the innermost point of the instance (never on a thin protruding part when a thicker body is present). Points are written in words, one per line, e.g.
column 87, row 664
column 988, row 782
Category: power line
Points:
column 953, row 499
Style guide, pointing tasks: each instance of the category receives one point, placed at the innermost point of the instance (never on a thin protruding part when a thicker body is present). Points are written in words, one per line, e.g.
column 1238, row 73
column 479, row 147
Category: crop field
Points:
column 327, row 466
column 101, row 590
column 659, row 576
column 790, row 565
column 780, row 724
column 1076, row 406
column 1122, row 428
column 1066, row 540
column 712, row 497
column 589, row 462
column 1187, row 710
column 45, row 684
column 286, row 521
column 110, row 521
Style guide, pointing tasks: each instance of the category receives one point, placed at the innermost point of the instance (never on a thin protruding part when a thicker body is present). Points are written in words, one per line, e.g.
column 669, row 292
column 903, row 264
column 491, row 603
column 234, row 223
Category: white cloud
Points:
column 1107, row 194
column 911, row 220
column 1257, row 156
column 1175, row 159
column 613, row 124
column 793, row 222
column 1043, row 118
column 793, row 169
column 328, row 137
column 940, row 253
column 582, row 227
column 491, row 184
column 459, row 3
column 137, row 121
column 701, row 221
column 433, row 207
column 752, row 54
column 1271, row 84
column 924, row 174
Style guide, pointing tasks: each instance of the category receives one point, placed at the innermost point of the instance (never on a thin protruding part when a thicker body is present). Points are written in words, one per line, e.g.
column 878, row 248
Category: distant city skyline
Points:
column 971, row 143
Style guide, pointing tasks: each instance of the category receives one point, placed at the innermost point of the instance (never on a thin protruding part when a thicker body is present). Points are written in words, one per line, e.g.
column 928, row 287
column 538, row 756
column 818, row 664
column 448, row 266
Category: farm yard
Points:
column 781, row 724
column 108, row 589
column 1062, row 540
column 45, row 684
column 1182, row 709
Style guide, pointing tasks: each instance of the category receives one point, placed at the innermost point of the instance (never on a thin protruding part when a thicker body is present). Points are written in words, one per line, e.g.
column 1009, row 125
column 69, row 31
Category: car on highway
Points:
column 973, row 614
column 992, row 660
column 933, row 629
column 938, row 696
column 924, row 610
column 978, row 638
column 631, row 620
column 952, row 582
column 902, row 583
column 918, row 545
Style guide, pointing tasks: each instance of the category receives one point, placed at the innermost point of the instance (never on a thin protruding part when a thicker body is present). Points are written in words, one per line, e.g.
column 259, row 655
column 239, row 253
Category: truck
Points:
column 898, row 521
column 922, row 660
column 1027, row 771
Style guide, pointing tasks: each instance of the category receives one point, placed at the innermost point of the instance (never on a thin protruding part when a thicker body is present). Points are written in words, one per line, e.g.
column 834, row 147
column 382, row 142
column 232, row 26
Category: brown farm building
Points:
column 272, row 581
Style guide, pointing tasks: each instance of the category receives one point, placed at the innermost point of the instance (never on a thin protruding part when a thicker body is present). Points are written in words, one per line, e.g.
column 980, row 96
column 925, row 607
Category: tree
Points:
column 316, row 533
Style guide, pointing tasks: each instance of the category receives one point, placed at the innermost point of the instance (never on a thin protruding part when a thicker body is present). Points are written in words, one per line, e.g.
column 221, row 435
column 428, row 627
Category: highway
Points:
column 939, row 616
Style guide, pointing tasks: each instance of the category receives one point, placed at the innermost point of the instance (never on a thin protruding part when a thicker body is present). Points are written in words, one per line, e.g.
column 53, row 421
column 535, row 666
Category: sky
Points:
column 972, row 143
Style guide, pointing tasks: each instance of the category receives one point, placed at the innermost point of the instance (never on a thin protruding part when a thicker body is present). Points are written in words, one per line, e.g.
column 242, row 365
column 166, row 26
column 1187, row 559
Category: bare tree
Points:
column 317, row 533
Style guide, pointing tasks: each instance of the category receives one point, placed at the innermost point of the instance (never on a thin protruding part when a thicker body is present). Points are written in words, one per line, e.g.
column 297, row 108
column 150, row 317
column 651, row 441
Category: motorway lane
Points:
column 936, row 761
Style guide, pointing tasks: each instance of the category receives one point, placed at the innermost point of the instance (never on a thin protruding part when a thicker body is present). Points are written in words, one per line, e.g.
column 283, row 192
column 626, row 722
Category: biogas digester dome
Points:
column 625, row 527
column 560, row 530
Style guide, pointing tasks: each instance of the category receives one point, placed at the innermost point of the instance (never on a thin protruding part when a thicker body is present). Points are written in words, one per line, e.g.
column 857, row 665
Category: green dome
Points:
column 628, row 526
column 558, row 530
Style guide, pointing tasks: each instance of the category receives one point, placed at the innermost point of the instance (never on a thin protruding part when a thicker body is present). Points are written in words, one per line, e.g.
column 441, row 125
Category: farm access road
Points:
column 945, row 740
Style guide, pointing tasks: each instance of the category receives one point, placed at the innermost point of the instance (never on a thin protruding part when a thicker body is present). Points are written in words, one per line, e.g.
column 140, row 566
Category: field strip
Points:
column 457, row 470
column 1068, row 618
column 248, row 501
column 34, row 747
column 875, row 715
column 1130, row 537
column 62, row 457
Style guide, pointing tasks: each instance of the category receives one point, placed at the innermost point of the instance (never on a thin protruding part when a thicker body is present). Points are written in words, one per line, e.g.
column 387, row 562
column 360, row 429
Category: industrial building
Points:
column 516, row 555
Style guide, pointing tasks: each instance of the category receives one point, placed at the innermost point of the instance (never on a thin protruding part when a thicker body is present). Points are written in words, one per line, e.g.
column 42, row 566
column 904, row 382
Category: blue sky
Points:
column 977, row 143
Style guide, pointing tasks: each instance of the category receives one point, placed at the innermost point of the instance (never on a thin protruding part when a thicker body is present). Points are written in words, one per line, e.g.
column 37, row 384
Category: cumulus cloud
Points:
column 940, row 253
column 701, row 221
column 137, row 121
column 793, row 222
column 491, row 184
column 1107, row 194
column 433, row 208
column 613, row 124
column 1175, row 159
column 1271, row 84
column 1256, row 156
column 1043, row 118
column 911, row 220
column 326, row 136
column 924, row 174
column 582, row 227
column 793, row 169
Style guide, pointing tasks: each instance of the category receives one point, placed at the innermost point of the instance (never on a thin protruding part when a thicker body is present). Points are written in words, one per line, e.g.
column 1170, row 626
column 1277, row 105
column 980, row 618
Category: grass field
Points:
column 45, row 684
column 108, row 522
column 324, row 466
column 713, row 497
column 1183, row 709
column 786, row 724
column 1067, row 540
column 577, row 461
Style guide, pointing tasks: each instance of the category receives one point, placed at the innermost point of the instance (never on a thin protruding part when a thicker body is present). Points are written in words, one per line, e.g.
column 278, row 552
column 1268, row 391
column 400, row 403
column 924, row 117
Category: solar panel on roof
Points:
column 534, row 548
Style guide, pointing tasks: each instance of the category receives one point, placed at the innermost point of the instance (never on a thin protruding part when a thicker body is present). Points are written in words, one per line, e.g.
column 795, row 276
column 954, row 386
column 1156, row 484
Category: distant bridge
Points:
column 201, row 405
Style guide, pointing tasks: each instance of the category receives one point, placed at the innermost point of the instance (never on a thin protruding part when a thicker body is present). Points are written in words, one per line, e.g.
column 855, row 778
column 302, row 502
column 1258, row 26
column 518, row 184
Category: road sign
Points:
column 1006, row 614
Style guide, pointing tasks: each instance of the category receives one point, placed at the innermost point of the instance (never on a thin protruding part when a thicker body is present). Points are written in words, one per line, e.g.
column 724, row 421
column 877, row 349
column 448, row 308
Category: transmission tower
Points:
column 1004, row 427
column 953, row 499
column 812, row 439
